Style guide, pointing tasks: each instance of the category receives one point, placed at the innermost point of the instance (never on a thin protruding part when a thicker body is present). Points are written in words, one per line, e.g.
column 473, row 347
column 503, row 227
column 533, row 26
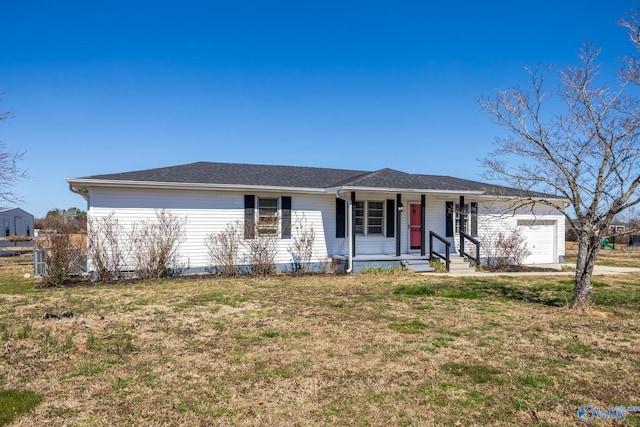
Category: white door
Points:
column 18, row 226
column 540, row 235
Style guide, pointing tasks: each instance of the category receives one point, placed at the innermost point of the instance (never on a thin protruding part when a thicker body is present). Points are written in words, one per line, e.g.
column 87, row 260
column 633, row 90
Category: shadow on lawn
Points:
column 555, row 295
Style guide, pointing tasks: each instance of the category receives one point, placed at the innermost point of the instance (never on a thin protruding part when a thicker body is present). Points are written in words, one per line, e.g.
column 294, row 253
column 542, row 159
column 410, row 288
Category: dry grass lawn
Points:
column 622, row 256
column 399, row 349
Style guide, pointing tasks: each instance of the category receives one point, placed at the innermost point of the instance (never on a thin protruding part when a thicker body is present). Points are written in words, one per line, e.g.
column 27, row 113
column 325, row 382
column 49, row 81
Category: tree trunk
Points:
column 588, row 248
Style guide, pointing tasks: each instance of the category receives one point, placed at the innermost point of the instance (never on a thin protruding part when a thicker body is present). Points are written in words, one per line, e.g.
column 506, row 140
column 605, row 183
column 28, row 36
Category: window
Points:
column 375, row 217
column 467, row 218
column 369, row 217
column 7, row 228
column 359, row 219
column 267, row 216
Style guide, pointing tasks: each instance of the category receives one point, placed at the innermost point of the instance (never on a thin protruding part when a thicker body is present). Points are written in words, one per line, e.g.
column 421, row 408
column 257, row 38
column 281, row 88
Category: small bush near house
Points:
column 62, row 258
column 261, row 244
column 262, row 249
column 506, row 248
column 154, row 245
column 224, row 250
column 302, row 247
column 104, row 248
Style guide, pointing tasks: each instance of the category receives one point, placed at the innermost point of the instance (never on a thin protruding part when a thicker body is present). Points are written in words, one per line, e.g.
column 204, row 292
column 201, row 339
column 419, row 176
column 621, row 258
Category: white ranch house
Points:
column 359, row 218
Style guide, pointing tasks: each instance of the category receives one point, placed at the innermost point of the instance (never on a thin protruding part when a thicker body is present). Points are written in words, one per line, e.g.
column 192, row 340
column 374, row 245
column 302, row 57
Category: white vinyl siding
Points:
column 207, row 212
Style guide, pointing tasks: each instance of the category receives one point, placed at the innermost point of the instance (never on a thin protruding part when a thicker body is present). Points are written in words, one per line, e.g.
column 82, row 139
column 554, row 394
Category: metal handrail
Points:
column 433, row 253
column 473, row 240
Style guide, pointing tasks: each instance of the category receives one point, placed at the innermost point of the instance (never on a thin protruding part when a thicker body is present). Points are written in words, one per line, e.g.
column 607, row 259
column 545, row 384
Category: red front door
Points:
column 415, row 216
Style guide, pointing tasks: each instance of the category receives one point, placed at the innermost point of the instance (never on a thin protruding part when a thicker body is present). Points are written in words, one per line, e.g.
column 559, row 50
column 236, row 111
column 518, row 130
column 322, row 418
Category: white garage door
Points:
column 540, row 237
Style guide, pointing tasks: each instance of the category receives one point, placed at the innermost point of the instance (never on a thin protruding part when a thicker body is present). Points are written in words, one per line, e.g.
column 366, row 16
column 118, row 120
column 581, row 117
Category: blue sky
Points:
column 112, row 86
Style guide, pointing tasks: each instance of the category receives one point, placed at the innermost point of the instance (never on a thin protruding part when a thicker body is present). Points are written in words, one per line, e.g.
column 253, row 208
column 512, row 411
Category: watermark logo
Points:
column 587, row 413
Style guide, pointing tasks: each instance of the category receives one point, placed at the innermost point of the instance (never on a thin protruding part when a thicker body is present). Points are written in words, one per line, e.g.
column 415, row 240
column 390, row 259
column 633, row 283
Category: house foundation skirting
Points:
column 360, row 262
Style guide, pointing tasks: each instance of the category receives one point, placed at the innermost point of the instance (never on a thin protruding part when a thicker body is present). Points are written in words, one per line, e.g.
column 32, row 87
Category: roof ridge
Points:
column 373, row 175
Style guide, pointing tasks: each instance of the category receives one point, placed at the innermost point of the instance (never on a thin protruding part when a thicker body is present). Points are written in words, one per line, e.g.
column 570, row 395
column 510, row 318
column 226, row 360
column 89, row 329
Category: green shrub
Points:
column 438, row 265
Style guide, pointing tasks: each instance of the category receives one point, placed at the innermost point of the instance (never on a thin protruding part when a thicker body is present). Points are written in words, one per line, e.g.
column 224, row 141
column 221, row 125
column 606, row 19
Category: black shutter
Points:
column 249, row 216
column 449, row 226
column 341, row 221
column 474, row 219
column 391, row 218
column 286, row 217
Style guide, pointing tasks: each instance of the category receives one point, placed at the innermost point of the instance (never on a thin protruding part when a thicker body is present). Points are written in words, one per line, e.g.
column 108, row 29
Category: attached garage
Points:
column 541, row 240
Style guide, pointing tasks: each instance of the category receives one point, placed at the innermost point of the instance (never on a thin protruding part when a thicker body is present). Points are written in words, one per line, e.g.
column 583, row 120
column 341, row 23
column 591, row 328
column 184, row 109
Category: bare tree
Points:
column 589, row 154
column 10, row 172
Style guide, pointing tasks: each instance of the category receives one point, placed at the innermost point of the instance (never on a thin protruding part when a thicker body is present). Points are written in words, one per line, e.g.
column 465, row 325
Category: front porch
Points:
column 387, row 230
column 415, row 262
column 361, row 262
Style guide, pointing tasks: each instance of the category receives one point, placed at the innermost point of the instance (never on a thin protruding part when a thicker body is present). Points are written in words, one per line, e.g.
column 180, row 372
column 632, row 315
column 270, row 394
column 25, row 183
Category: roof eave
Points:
column 514, row 196
column 403, row 190
column 86, row 183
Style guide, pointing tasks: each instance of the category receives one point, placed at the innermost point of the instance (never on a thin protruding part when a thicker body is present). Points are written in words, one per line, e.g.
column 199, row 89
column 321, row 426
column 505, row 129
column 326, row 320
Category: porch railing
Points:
column 447, row 245
column 464, row 236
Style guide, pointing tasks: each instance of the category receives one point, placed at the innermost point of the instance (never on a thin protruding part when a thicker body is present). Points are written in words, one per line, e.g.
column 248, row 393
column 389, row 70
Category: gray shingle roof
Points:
column 238, row 174
column 304, row 177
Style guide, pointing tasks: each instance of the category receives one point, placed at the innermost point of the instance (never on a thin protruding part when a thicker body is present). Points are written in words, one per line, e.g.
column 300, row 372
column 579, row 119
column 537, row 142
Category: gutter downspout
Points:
column 349, row 229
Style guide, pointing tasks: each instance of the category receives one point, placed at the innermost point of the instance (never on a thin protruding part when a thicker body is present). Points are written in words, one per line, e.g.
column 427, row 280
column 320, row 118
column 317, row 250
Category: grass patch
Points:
column 14, row 403
column 271, row 333
column 120, row 384
column 413, row 327
column 479, row 374
column 377, row 270
column 213, row 297
column 414, row 290
column 533, row 380
column 462, row 293
column 88, row 369
column 93, row 342
column 24, row 332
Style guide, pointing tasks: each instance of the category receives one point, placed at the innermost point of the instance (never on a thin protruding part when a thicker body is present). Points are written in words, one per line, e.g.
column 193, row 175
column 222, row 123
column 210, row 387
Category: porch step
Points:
column 460, row 265
column 417, row 266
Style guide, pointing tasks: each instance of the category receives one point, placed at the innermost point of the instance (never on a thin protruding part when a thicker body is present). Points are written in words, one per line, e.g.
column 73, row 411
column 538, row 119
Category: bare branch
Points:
column 589, row 153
